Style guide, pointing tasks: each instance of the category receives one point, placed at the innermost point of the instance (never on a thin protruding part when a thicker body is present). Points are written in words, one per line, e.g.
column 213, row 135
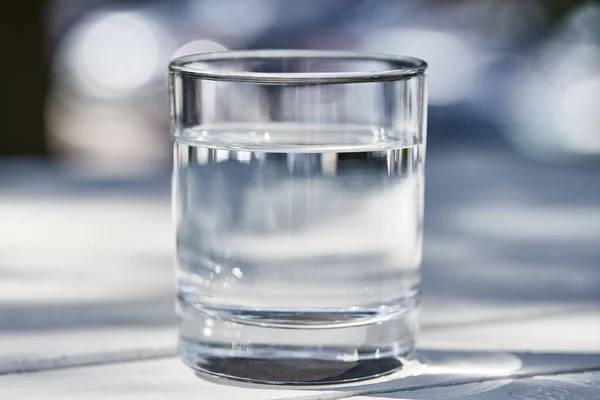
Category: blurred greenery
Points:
column 557, row 9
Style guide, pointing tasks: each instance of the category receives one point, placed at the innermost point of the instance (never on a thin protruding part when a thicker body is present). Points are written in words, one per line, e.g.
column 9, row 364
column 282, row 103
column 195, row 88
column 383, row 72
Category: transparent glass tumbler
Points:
column 298, row 203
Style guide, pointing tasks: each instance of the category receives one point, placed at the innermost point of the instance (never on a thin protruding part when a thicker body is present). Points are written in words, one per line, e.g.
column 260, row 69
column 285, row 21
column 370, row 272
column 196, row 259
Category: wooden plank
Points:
column 581, row 385
column 576, row 332
column 169, row 378
column 32, row 351
column 535, row 335
column 468, row 362
column 156, row 379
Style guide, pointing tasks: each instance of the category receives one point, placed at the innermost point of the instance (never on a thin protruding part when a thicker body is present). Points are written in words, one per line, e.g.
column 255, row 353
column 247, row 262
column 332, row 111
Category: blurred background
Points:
column 513, row 170
column 88, row 77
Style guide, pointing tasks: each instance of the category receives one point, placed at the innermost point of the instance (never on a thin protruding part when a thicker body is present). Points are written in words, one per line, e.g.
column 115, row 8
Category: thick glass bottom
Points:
column 307, row 354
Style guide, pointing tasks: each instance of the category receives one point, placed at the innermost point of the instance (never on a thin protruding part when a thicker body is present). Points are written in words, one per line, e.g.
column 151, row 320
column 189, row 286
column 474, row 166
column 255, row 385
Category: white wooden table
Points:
column 511, row 287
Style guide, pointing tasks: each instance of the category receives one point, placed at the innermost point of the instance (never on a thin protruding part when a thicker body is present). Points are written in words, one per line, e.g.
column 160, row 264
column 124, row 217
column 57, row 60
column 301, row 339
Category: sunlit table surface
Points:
column 511, row 286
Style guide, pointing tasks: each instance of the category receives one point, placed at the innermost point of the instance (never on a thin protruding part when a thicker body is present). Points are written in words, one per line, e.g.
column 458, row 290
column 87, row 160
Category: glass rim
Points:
column 405, row 67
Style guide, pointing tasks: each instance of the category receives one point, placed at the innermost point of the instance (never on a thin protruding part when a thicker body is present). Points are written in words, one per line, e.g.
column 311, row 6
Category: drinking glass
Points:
column 298, row 204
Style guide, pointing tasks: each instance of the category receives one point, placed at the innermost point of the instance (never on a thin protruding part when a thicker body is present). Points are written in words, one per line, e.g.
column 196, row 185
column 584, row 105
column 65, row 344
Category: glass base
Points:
column 286, row 370
column 304, row 355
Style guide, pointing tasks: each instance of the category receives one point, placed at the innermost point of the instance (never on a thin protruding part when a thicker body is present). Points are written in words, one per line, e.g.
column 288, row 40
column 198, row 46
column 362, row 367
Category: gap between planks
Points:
column 17, row 366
